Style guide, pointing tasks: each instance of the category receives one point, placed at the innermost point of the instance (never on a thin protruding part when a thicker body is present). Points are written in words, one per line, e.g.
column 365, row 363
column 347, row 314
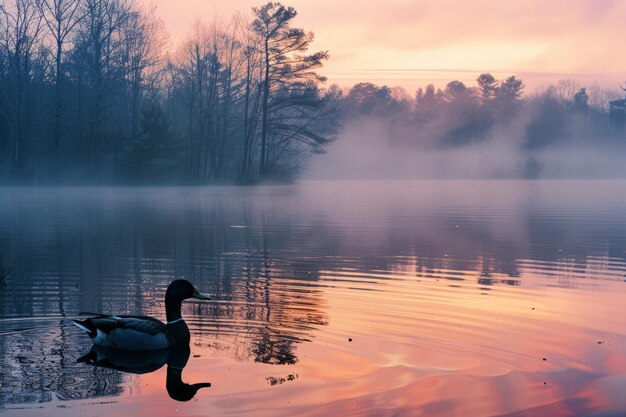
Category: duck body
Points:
column 135, row 332
column 130, row 332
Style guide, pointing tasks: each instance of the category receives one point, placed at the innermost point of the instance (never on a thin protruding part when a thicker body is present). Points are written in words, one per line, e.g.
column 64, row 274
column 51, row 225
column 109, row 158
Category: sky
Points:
column 410, row 43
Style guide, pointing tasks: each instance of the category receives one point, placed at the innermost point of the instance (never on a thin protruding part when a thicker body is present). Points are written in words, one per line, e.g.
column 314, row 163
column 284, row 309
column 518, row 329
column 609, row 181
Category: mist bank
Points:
column 490, row 130
column 493, row 158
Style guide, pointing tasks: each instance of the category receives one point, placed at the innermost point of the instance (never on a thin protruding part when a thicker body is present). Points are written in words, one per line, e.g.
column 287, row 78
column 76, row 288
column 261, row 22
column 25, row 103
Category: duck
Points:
column 142, row 333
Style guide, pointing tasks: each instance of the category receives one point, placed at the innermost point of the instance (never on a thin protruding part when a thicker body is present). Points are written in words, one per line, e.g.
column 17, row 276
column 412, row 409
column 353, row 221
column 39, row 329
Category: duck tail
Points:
column 86, row 325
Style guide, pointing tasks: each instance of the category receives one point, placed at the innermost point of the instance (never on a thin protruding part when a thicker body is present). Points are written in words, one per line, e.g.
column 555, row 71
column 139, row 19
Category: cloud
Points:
column 567, row 36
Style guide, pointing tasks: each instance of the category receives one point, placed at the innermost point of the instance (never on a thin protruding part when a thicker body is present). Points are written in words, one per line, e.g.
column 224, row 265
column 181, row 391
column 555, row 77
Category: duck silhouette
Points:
column 141, row 333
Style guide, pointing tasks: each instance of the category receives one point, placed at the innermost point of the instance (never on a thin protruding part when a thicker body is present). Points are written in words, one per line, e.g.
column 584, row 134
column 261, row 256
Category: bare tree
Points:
column 99, row 40
column 20, row 41
column 60, row 17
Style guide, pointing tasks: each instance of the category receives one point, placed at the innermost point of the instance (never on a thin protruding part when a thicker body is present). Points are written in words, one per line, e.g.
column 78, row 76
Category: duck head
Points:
column 181, row 289
column 178, row 291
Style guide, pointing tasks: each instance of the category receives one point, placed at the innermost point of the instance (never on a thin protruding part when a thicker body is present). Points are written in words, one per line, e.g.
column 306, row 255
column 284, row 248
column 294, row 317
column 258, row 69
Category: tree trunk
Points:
column 266, row 94
column 243, row 174
column 57, row 109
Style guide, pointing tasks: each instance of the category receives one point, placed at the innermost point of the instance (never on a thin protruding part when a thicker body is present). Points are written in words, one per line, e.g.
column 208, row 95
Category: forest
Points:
column 92, row 92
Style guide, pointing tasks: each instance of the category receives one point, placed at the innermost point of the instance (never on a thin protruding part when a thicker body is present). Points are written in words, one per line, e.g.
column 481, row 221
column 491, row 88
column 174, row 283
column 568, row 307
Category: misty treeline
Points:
column 486, row 114
column 91, row 91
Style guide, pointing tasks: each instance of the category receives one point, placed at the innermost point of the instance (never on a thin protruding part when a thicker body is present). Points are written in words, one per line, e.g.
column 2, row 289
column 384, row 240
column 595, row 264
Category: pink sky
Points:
column 413, row 42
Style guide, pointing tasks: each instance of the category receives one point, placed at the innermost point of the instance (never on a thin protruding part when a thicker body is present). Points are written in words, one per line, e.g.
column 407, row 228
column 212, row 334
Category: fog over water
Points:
column 373, row 149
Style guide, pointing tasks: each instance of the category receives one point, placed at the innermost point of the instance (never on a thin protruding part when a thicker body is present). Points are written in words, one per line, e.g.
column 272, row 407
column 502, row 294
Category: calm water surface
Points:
column 352, row 299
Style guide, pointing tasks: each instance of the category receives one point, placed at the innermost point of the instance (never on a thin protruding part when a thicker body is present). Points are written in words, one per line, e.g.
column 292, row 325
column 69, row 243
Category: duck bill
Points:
column 199, row 296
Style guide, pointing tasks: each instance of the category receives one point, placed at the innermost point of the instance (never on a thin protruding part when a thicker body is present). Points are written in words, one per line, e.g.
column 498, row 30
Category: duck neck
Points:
column 172, row 309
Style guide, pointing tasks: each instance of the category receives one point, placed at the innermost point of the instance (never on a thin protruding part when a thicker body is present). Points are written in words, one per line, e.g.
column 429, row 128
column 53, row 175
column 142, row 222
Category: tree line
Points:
column 460, row 115
column 91, row 92
column 492, row 113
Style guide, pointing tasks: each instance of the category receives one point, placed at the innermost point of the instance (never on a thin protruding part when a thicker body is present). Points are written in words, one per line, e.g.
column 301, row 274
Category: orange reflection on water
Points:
column 420, row 347
column 484, row 355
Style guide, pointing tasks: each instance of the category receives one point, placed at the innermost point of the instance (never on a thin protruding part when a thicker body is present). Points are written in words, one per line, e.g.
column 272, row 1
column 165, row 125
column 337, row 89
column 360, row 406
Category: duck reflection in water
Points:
column 143, row 362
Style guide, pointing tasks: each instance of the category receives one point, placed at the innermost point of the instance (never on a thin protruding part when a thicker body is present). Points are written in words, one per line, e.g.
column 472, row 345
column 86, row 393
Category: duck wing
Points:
column 121, row 319
column 142, row 324
column 126, row 332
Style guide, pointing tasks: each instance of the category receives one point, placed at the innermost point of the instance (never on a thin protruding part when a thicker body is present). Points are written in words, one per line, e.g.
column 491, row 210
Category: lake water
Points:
column 425, row 298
